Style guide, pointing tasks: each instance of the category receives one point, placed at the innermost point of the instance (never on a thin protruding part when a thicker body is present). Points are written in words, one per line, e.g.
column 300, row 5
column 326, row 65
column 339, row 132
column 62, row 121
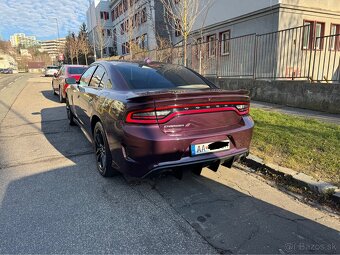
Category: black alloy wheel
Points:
column 103, row 153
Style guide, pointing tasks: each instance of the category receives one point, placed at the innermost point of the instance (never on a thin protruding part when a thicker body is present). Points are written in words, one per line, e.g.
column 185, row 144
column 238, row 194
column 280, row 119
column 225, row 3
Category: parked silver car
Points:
column 51, row 70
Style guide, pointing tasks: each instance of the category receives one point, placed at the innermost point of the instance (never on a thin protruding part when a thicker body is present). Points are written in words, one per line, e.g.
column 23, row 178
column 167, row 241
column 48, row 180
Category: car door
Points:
column 89, row 98
column 79, row 92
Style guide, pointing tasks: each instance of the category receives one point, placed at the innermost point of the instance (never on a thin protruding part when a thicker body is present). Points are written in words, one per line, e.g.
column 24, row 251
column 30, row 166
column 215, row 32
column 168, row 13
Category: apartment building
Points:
column 138, row 25
column 53, row 47
column 100, row 28
column 22, row 40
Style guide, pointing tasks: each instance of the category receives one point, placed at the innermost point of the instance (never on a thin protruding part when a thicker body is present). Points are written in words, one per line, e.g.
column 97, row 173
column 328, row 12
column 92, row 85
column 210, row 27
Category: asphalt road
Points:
column 52, row 200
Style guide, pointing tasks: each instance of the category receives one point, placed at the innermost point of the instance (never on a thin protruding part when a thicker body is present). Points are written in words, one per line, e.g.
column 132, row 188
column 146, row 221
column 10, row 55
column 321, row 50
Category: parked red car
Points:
column 59, row 85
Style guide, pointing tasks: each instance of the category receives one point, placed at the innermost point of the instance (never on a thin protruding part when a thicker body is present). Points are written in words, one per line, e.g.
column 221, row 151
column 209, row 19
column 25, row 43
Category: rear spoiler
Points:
column 176, row 94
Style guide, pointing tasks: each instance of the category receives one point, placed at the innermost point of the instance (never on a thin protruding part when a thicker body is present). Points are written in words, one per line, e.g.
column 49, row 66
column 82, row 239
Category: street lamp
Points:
column 93, row 31
column 58, row 40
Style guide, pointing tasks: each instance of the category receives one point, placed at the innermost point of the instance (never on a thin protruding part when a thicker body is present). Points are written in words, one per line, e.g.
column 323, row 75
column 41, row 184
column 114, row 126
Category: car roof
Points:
column 111, row 63
column 75, row 66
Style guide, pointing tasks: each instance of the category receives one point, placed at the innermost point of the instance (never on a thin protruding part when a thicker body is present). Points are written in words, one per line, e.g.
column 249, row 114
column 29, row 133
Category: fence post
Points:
column 218, row 56
column 255, row 58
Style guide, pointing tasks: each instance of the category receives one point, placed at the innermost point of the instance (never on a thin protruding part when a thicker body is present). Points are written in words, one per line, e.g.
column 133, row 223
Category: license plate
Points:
column 198, row 149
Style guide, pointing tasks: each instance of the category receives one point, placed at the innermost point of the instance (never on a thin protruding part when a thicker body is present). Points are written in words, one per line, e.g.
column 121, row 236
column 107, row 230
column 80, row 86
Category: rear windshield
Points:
column 52, row 67
column 159, row 76
column 76, row 70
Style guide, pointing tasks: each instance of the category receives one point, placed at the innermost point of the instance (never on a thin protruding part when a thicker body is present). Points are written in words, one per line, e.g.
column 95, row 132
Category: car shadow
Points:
column 71, row 208
column 50, row 96
column 231, row 221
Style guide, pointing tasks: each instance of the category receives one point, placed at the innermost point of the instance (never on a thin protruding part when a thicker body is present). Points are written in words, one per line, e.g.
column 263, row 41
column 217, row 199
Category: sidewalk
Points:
column 320, row 116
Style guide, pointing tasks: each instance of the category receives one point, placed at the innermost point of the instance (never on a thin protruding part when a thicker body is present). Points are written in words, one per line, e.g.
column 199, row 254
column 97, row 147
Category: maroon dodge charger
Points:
column 144, row 118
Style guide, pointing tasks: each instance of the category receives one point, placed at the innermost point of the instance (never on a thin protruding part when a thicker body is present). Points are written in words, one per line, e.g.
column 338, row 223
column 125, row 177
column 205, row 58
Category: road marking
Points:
column 3, row 88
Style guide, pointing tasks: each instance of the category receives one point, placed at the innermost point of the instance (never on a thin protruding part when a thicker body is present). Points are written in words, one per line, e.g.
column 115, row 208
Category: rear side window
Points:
column 76, row 70
column 160, row 76
column 86, row 77
column 97, row 77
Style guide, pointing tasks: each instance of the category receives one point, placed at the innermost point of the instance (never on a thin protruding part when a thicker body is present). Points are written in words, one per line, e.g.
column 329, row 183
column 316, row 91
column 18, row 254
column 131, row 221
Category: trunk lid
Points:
column 188, row 112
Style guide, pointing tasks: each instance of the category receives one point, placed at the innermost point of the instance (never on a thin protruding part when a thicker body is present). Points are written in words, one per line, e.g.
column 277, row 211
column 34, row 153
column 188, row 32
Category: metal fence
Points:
column 286, row 54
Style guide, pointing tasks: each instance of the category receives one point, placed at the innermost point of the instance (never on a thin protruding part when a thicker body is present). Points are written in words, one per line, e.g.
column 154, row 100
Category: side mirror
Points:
column 71, row 81
column 55, row 75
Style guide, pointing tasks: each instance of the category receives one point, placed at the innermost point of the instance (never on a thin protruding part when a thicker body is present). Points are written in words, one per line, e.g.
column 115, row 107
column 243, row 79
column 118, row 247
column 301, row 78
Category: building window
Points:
column 211, row 45
column 178, row 28
column 122, row 28
column 108, row 32
column 177, row 1
column 104, row 15
column 125, row 5
column 103, row 32
column 225, row 42
column 143, row 41
column 319, row 33
column 144, row 17
column 113, row 15
column 334, row 43
column 312, row 35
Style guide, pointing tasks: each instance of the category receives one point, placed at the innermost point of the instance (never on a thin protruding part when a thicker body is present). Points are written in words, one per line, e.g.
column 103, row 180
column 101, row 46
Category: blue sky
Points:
column 36, row 17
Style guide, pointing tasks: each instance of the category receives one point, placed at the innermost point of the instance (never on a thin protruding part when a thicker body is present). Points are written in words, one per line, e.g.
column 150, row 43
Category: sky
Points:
column 37, row 17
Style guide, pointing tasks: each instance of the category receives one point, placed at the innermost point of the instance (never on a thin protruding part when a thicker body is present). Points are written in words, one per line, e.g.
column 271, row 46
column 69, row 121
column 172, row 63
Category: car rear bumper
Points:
column 147, row 151
column 203, row 161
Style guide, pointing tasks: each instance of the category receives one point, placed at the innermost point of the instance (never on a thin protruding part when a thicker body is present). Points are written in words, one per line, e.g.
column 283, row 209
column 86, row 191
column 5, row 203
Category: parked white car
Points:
column 51, row 70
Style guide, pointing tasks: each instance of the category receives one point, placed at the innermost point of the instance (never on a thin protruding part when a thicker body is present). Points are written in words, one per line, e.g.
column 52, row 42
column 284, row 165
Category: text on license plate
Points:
column 197, row 149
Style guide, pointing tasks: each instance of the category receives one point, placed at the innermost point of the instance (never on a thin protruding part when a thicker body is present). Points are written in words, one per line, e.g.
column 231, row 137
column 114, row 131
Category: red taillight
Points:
column 164, row 114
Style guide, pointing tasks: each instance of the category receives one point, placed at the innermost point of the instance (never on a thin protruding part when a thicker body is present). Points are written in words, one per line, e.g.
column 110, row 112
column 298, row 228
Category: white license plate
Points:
column 197, row 149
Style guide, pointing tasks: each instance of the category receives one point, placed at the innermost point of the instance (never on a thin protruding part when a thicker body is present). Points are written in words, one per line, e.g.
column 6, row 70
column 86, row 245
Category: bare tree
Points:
column 83, row 42
column 84, row 46
column 72, row 47
column 182, row 15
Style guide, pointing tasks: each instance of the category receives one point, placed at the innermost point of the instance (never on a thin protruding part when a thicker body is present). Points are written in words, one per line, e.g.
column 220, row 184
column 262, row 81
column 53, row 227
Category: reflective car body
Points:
column 59, row 85
column 159, row 116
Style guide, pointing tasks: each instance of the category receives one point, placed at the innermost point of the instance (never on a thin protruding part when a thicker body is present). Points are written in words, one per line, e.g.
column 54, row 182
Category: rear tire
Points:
column 70, row 114
column 103, row 153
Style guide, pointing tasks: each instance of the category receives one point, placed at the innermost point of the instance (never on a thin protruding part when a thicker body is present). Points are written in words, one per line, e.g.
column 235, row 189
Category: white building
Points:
column 100, row 26
column 20, row 39
column 53, row 47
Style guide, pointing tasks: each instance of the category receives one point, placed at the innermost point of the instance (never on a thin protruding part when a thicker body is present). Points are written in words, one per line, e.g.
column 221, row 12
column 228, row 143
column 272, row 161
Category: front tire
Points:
column 70, row 114
column 61, row 99
column 103, row 153
column 54, row 93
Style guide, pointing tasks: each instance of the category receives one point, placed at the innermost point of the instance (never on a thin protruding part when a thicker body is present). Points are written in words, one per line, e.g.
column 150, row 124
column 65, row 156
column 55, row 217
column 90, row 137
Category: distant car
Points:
column 2, row 70
column 59, row 85
column 51, row 70
column 144, row 118
column 7, row 71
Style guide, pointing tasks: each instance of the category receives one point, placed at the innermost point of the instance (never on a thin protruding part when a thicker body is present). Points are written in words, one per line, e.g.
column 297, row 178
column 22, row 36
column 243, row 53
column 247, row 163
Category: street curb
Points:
column 301, row 179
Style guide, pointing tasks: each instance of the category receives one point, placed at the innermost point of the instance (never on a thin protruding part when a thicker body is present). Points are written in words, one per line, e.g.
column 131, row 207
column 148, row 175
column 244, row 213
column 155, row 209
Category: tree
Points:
column 83, row 42
column 71, row 47
column 182, row 15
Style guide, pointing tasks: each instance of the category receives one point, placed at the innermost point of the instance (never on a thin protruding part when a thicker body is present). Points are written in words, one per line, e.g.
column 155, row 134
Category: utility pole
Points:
column 58, row 40
column 93, row 30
